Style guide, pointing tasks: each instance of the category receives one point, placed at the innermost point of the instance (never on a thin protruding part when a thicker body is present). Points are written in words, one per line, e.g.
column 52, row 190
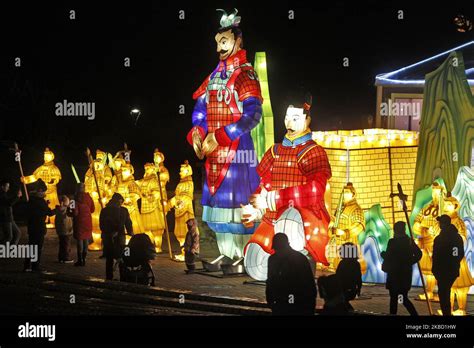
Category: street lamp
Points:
column 135, row 113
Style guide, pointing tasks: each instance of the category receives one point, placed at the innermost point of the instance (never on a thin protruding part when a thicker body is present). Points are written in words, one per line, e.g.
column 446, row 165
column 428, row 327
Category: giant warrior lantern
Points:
column 294, row 176
column 228, row 106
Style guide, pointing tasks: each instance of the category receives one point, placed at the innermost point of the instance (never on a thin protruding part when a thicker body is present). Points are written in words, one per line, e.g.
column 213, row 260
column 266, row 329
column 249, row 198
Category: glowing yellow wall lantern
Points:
column 374, row 160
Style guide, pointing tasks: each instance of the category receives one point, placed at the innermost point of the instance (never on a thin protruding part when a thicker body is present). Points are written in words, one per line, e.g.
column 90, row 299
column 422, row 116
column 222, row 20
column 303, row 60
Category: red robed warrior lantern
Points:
column 293, row 175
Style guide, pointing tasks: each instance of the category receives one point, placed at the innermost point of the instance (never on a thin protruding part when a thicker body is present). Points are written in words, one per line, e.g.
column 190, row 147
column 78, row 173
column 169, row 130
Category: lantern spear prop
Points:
column 403, row 198
column 75, row 174
column 18, row 159
column 164, row 215
column 339, row 209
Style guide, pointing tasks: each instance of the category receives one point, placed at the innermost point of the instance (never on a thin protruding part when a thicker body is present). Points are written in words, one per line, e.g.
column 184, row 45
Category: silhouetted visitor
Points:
column 82, row 212
column 64, row 229
column 401, row 254
column 448, row 251
column 136, row 261
column 330, row 290
column 114, row 220
column 9, row 231
column 291, row 289
column 349, row 273
column 191, row 245
column 36, row 211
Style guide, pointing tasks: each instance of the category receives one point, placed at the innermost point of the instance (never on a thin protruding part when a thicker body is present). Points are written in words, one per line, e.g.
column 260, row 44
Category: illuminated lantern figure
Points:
column 130, row 191
column 294, row 173
column 101, row 156
column 350, row 222
column 427, row 227
column 151, row 208
column 228, row 106
column 103, row 175
column 162, row 172
column 117, row 163
column 182, row 203
column 462, row 284
column 51, row 176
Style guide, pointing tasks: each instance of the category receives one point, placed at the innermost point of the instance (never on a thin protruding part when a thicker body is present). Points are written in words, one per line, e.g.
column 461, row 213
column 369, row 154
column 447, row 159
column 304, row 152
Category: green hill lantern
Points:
column 447, row 124
column 263, row 135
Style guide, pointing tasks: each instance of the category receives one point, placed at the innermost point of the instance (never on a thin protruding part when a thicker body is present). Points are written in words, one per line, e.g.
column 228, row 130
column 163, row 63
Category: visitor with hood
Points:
column 37, row 210
column 114, row 220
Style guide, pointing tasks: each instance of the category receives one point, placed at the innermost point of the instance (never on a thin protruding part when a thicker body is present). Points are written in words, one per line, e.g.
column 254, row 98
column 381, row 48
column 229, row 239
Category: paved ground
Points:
column 170, row 275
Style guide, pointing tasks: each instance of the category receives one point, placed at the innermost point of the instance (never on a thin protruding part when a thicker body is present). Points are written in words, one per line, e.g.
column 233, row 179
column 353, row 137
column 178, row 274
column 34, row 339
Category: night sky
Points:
column 83, row 60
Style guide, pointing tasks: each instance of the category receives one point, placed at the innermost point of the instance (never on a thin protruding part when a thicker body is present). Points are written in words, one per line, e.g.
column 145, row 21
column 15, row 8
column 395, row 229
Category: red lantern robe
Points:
column 298, row 171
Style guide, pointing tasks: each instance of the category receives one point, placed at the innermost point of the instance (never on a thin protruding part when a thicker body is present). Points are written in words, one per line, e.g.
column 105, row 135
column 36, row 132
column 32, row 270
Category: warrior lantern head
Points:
column 119, row 163
column 98, row 165
column 150, row 169
column 185, row 170
column 229, row 35
column 158, row 157
column 100, row 155
column 127, row 171
column 349, row 192
column 451, row 205
column 436, row 192
column 297, row 118
column 48, row 156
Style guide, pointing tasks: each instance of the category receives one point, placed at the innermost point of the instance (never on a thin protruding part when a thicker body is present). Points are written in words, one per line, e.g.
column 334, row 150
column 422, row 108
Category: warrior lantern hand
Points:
column 209, row 144
column 264, row 200
column 197, row 144
column 250, row 214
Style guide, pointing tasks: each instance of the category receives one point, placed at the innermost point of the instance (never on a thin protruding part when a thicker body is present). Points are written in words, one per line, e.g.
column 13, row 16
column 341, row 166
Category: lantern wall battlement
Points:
column 366, row 138
column 374, row 160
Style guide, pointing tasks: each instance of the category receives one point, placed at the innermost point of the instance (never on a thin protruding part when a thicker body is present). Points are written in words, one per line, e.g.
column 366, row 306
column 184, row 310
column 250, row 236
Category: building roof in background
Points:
column 414, row 75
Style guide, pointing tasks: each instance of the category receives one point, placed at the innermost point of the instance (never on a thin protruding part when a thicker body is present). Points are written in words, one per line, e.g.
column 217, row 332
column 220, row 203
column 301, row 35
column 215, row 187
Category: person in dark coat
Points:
column 448, row 251
column 8, row 228
column 191, row 245
column 349, row 273
column 114, row 220
column 82, row 222
column 401, row 254
column 37, row 210
column 291, row 289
